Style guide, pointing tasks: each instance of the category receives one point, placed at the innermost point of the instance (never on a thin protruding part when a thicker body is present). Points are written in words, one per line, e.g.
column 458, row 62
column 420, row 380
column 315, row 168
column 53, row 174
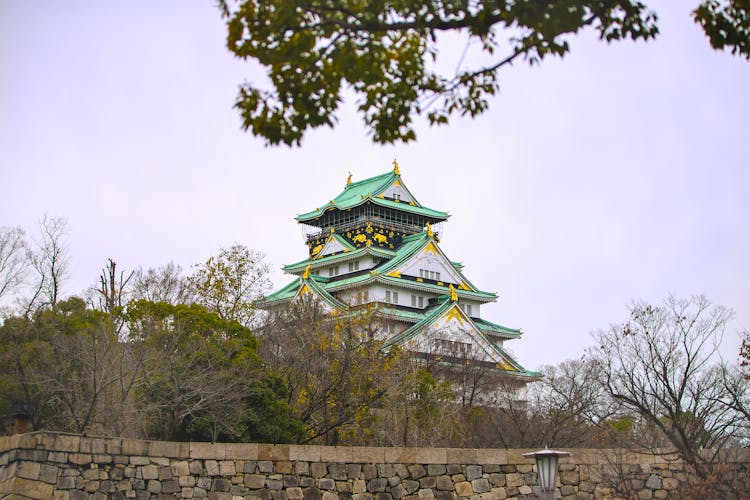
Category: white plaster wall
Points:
column 393, row 190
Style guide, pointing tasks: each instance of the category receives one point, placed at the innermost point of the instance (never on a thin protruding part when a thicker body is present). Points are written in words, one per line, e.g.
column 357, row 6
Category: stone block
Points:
column 336, row 454
column 569, row 477
column 294, row 493
column 445, row 495
column 400, row 455
column 359, row 486
column 471, row 472
column 458, row 478
column 370, row 471
column 79, row 458
column 241, row 451
column 329, row 495
column 149, row 472
column 377, row 485
column 313, row 494
column 653, row 482
column 431, row 455
column 226, row 468
column 304, row 453
column 464, row 489
column 215, row 451
column 275, row 484
column 153, row 486
column 425, row 494
column 367, row 454
column 58, row 456
column 452, row 469
column 566, row 490
column 212, row 467
column 180, row 468
column 67, row 443
column 48, row 473
column 255, row 481
column 401, row 470
column 498, row 493
column 66, row 483
column 273, row 452
column 497, row 479
column 354, row 471
column 170, row 486
column 92, row 445
column 461, row 456
column 102, row 459
column 337, row 471
column 525, row 490
column 492, row 456
column 301, row 468
column 428, row 482
column 169, row 449
column 480, row 485
column 134, row 447
column 139, row 460
column 290, row 481
column 186, row 481
column 435, row 469
column 318, row 469
column 513, row 480
column 444, row 483
column 28, row 470
column 410, row 486
column 670, row 483
column 416, row 471
column 265, row 466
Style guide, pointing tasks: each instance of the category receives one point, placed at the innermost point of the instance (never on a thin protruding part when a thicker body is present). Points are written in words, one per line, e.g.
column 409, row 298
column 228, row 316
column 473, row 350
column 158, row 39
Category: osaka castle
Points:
column 375, row 244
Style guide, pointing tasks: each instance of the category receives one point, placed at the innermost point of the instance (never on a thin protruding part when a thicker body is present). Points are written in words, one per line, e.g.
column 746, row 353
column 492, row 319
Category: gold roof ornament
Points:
column 349, row 179
column 429, row 229
column 306, row 274
column 454, row 295
column 395, row 167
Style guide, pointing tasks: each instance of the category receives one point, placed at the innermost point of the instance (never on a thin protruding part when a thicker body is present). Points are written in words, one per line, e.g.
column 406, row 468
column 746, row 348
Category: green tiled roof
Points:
column 490, row 327
column 360, row 192
column 302, row 264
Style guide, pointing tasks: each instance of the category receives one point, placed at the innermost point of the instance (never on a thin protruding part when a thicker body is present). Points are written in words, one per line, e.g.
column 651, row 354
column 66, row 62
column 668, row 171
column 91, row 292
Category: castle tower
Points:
column 374, row 243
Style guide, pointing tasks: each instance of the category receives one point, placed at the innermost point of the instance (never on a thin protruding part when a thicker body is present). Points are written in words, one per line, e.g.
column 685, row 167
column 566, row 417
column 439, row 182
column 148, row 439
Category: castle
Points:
column 375, row 244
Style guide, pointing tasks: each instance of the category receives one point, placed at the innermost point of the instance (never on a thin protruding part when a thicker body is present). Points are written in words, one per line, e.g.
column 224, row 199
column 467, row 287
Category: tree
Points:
column 13, row 259
column 331, row 366
column 67, row 366
column 50, row 261
column 162, row 284
column 726, row 24
column 197, row 369
column 387, row 54
column 660, row 365
column 229, row 283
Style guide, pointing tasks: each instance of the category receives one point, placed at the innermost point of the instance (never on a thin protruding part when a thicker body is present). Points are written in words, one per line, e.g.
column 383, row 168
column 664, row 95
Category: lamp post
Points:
column 546, row 468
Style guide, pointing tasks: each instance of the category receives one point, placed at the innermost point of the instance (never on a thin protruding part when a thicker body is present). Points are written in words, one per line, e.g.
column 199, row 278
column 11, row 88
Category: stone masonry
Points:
column 45, row 465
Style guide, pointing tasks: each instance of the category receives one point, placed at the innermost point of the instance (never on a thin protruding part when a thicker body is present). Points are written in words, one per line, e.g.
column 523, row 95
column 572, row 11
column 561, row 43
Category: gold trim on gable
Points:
column 430, row 248
column 394, row 274
column 454, row 313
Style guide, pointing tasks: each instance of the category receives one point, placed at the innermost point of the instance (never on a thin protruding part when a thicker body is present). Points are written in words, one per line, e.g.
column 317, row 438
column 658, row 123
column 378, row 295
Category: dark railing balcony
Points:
column 343, row 227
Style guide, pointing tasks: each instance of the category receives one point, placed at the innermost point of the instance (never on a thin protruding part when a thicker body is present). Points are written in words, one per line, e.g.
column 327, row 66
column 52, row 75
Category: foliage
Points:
column 196, row 370
column 385, row 51
column 229, row 283
column 726, row 24
column 332, row 368
column 67, row 367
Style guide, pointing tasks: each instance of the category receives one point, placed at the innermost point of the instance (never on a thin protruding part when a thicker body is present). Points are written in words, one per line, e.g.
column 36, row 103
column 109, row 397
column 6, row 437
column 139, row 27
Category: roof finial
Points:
column 349, row 179
column 429, row 229
column 306, row 273
column 454, row 295
column 395, row 167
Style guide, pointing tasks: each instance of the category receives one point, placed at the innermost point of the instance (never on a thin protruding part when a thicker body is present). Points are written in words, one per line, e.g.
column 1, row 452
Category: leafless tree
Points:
column 162, row 284
column 51, row 263
column 14, row 260
column 661, row 365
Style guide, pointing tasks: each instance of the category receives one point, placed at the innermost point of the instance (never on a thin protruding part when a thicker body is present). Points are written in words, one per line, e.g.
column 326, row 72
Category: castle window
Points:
column 333, row 270
column 391, row 297
column 354, row 266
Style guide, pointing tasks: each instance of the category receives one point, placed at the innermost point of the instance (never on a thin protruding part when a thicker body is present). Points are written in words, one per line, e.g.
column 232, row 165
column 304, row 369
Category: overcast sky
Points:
column 620, row 172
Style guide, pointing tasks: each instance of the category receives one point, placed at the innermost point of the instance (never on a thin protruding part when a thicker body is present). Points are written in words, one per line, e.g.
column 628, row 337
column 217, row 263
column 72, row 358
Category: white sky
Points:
column 620, row 172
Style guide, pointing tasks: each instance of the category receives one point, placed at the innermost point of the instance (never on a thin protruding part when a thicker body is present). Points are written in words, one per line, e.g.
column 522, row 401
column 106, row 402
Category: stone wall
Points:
column 46, row 465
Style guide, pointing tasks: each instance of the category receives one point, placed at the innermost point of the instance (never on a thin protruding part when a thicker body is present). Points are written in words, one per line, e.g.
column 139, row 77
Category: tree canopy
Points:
column 386, row 52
